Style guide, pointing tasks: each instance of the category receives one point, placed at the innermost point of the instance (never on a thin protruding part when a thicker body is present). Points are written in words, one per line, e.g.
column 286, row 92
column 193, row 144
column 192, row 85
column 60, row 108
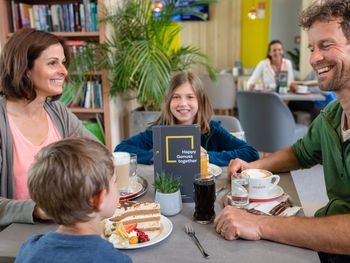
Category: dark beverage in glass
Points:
column 204, row 198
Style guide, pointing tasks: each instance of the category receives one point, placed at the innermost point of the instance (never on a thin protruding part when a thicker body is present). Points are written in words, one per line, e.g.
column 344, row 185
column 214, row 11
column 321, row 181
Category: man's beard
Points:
column 338, row 82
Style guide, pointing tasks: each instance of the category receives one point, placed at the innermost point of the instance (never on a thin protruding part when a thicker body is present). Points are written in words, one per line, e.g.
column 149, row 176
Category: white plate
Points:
column 303, row 93
column 274, row 194
column 214, row 170
column 155, row 236
column 134, row 189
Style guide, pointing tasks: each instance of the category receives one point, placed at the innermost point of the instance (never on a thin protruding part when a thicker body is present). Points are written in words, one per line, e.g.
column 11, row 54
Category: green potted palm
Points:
column 142, row 53
column 168, row 194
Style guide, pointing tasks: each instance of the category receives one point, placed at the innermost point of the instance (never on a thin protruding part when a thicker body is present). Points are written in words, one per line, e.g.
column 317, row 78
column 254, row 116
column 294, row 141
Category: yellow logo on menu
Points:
column 167, row 138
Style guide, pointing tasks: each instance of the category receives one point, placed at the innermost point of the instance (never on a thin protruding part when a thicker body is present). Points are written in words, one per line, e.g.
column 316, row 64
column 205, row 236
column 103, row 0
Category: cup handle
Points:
column 277, row 179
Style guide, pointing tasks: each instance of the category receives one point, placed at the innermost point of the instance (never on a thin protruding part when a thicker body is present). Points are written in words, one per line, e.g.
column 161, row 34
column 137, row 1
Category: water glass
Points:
column 239, row 191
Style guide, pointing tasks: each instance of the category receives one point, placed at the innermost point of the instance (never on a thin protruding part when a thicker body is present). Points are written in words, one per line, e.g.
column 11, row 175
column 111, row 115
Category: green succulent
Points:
column 166, row 183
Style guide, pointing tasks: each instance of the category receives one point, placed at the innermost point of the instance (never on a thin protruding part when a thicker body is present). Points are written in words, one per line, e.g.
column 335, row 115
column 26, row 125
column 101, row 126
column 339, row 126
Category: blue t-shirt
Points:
column 56, row 248
column 330, row 96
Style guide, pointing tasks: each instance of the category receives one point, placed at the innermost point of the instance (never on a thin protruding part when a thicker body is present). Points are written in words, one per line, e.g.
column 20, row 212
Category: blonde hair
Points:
column 66, row 175
column 205, row 110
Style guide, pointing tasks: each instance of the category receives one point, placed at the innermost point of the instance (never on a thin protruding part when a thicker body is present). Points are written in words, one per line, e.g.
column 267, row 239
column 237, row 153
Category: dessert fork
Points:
column 190, row 231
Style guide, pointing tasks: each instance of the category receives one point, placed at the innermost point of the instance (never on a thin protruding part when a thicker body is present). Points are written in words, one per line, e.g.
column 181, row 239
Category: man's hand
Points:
column 237, row 165
column 233, row 223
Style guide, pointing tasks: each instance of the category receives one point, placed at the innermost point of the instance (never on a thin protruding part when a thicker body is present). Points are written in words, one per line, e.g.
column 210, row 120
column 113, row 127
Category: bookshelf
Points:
column 95, row 36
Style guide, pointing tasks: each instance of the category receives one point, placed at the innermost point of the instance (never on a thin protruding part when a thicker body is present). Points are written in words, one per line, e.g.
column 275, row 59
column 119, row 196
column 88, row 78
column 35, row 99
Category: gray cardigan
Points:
column 21, row 211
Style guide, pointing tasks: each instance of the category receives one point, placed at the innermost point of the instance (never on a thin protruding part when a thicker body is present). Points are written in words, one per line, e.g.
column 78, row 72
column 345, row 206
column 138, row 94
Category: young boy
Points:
column 74, row 183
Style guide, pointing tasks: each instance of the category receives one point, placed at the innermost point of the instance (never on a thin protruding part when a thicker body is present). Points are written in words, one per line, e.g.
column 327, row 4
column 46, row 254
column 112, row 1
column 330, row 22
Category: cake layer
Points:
column 145, row 214
column 135, row 214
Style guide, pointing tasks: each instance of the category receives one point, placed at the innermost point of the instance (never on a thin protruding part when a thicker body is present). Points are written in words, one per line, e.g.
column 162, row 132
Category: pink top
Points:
column 23, row 155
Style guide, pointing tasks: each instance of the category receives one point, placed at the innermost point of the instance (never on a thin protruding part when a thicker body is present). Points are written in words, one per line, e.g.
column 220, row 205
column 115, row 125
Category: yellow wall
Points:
column 254, row 34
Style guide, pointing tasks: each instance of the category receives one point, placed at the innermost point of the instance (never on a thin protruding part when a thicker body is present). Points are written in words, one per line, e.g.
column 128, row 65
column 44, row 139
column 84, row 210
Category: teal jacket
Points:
column 323, row 145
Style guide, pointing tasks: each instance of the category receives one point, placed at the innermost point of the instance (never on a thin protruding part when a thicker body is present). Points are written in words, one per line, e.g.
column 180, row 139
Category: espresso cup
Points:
column 261, row 182
column 302, row 89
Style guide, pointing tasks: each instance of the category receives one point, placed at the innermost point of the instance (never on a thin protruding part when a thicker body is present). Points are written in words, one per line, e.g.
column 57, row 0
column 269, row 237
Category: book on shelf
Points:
column 24, row 15
column 65, row 17
column 16, row 23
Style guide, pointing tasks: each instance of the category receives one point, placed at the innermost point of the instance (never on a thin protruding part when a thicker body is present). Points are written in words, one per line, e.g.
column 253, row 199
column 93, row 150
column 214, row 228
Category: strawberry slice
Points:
column 129, row 228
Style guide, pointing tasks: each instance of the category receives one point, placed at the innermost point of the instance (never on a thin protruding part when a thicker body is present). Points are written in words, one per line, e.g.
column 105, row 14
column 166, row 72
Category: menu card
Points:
column 176, row 151
column 282, row 79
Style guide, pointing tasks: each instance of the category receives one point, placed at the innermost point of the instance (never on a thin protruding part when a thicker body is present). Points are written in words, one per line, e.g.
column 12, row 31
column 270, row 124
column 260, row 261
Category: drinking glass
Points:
column 122, row 166
column 133, row 168
column 204, row 198
column 239, row 191
column 204, row 164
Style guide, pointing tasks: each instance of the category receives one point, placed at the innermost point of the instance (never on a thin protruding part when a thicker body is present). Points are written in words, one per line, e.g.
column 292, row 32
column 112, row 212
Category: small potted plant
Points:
column 168, row 194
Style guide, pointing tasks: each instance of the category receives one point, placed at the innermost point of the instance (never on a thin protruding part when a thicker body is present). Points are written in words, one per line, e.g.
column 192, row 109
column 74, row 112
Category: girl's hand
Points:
column 203, row 150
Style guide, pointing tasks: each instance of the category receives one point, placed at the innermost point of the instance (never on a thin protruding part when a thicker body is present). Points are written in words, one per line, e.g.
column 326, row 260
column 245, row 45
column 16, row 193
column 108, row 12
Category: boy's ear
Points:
column 98, row 199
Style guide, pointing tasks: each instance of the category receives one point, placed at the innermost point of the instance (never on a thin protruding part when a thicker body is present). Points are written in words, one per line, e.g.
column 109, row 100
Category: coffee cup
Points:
column 122, row 166
column 261, row 182
column 302, row 89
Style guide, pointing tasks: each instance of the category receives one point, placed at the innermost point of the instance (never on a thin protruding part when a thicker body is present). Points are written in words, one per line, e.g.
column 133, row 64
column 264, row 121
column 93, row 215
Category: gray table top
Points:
column 304, row 97
column 178, row 247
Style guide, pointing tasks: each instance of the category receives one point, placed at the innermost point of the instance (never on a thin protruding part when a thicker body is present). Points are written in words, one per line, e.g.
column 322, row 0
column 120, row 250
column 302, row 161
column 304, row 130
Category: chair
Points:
column 140, row 120
column 230, row 123
column 267, row 121
column 222, row 94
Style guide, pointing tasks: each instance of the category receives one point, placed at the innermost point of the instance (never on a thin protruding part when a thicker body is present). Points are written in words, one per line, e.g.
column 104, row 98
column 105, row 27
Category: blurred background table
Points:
column 302, row 97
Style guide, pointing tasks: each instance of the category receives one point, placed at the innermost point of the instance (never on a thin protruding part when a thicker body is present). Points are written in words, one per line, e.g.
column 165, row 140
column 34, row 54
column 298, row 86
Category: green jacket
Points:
column 322, row 145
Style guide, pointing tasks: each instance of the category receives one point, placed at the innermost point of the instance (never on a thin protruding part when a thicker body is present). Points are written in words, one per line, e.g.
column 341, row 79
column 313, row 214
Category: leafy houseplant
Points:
column 168, row 194
column 142, row 53
column 84, row 65
column 295, row 57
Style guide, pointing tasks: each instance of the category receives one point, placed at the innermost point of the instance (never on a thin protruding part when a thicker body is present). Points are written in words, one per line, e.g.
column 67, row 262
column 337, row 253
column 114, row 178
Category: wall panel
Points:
column 220, row 36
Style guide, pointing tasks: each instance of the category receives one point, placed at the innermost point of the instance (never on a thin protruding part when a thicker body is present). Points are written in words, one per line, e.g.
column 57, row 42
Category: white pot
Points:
column 170, row 203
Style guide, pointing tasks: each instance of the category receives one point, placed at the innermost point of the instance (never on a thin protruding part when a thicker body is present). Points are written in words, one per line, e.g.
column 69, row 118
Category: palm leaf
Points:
column 140, row 53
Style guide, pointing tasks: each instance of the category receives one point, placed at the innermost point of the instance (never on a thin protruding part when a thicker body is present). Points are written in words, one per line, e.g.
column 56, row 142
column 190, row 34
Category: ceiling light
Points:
column 252, row 14
column 157, row 6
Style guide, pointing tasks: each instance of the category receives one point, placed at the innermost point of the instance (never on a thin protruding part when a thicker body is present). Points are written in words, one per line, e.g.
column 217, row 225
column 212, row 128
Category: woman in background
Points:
column 187, row 103
column 33, row 68
column 265, row 72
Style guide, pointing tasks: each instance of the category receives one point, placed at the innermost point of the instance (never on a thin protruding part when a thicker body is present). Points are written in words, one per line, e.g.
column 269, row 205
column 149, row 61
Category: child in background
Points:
column 187, row 103
column 74, row 183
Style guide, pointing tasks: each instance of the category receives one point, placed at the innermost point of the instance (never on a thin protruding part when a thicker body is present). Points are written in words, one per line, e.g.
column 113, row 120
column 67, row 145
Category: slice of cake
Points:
column 145, row 214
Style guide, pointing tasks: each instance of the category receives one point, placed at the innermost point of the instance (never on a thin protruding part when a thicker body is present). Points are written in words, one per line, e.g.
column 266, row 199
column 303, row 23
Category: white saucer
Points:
column 303, row 93
column 275, row 193
column 134, row 189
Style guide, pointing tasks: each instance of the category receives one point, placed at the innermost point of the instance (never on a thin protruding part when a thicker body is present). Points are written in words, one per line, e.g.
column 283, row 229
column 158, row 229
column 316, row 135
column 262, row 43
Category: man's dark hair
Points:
column 326, row 11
